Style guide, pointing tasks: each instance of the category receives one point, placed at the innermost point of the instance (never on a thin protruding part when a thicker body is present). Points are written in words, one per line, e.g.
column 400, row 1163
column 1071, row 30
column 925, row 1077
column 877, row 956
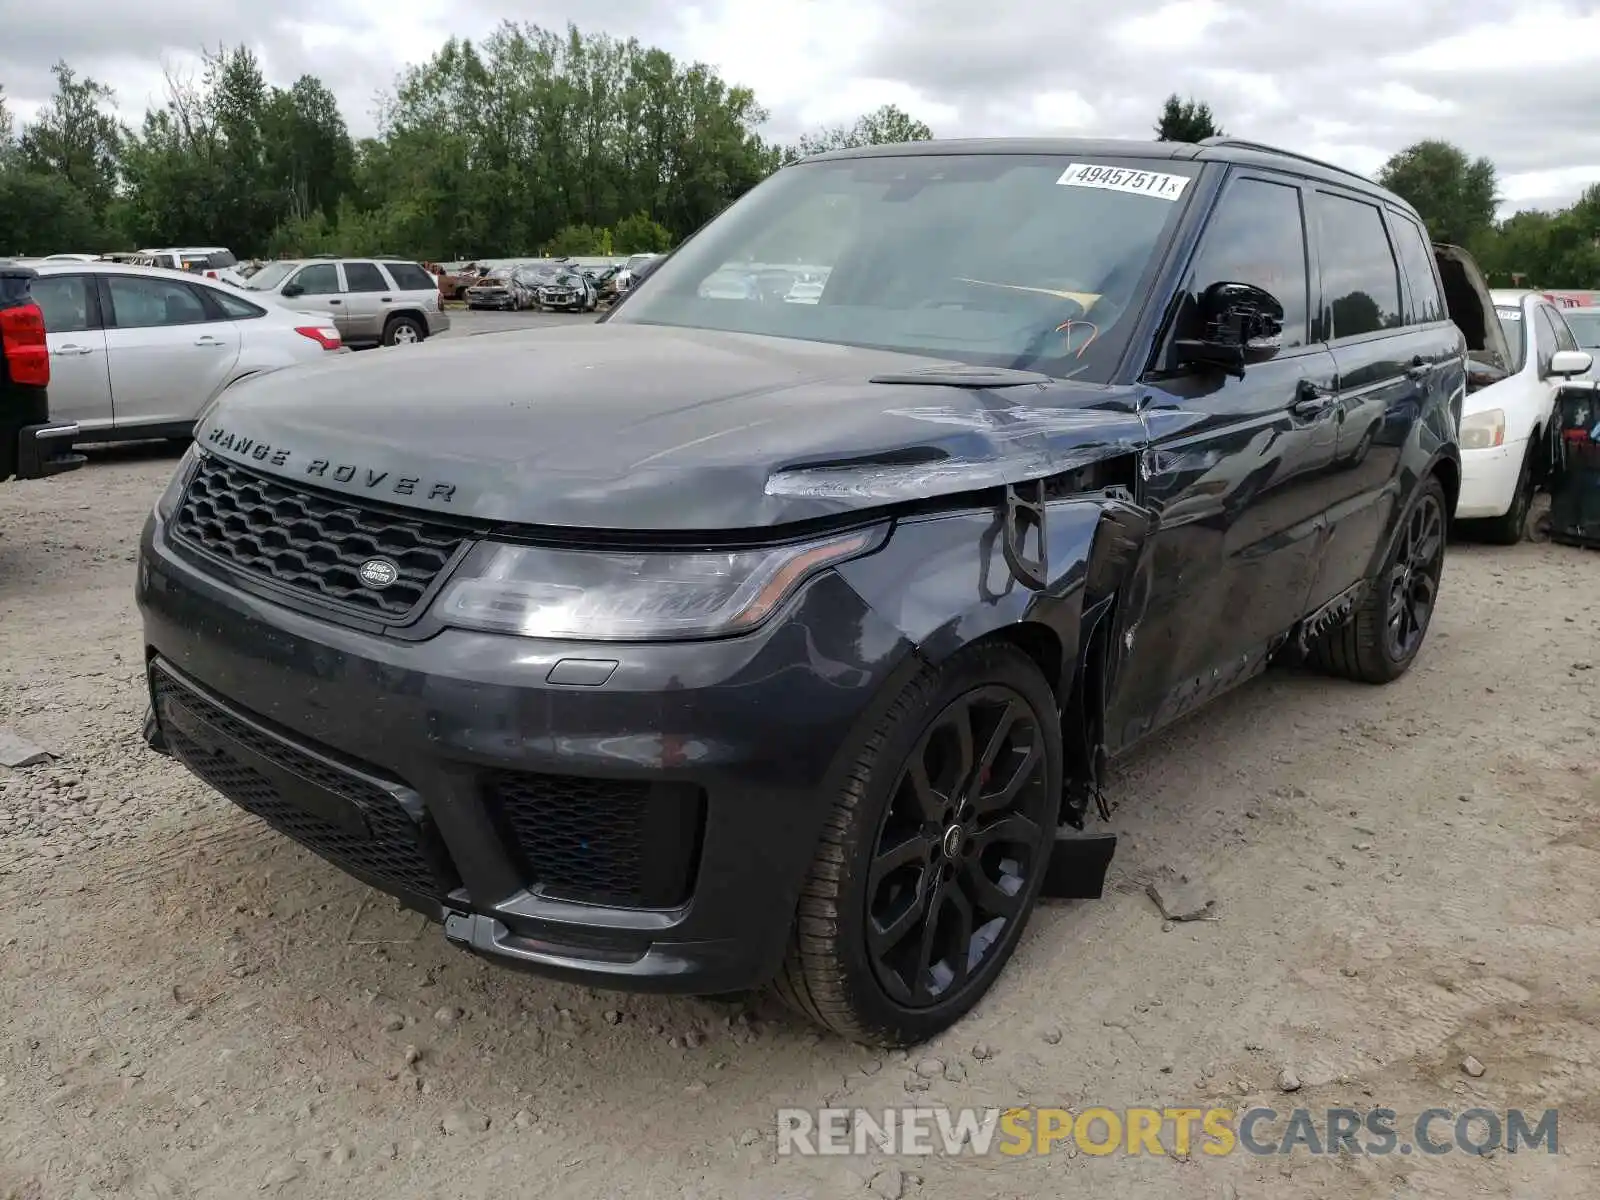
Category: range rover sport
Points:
column 726, row 643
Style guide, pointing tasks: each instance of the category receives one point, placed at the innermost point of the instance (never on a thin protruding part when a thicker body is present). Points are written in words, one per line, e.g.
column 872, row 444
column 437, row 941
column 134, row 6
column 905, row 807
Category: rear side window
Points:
column 64, row 300
column 409, row 277
column 139, row 302
column 364, row 277
column 221, row 259
column 1425, row 303
column 1257, row 236
column 234, row 308
column 1360, row 278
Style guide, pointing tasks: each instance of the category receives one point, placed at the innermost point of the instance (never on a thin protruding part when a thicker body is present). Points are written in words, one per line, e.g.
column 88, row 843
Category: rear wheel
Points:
column 403, row 331
column 1382, row 637
column 933, row 853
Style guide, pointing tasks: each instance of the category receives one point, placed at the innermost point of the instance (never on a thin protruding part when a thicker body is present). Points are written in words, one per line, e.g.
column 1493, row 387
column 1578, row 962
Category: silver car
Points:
column 373, row 302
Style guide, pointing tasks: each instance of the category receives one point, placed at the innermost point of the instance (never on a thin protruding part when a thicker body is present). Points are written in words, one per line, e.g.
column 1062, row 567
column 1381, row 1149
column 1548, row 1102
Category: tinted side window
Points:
column 235, row 308
column 1416, row 260
column 1564, row 336
column 64, row 300
column 320, row 280
column 1360, row 280
column 1257, row 236
column 409, row 277
column 1544, row 336
column 364, row 277
column 140, row 303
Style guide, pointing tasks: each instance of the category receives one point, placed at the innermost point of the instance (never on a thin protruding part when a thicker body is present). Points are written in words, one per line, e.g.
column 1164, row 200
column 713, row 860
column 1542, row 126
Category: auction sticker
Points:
column 1124, row 179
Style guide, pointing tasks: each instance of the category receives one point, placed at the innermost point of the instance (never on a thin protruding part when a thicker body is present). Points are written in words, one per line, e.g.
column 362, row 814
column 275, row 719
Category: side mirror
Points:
column 1482, row 373
column 1567, row 363
column 292, row 289
column 1239, row 324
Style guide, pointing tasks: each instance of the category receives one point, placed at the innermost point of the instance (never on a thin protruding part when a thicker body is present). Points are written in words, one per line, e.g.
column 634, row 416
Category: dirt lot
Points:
column 193, row 1006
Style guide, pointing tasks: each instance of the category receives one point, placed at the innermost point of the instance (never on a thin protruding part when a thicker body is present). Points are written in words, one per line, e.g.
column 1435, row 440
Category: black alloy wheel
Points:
column 967, row 826
column 1414, row 577
column 933, row 850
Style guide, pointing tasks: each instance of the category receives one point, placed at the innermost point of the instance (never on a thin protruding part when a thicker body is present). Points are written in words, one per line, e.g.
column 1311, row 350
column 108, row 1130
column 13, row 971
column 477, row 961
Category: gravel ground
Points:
column 193, row 1006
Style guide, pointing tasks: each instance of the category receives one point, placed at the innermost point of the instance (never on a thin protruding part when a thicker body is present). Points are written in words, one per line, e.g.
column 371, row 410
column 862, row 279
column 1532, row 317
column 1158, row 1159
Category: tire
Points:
column 1510, row 526
column 1362, row 649
column 830, row 975
column 402, row 331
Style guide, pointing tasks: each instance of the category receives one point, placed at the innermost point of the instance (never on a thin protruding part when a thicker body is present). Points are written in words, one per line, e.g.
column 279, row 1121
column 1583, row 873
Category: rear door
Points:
column 321, row 292
column 80, row 380
column 1388, row 361
column 368, row 300
column 1241, row 494
column 169, row 349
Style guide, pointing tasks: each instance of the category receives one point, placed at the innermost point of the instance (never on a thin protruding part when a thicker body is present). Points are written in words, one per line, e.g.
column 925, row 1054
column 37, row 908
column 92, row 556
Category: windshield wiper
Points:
column 962, row 376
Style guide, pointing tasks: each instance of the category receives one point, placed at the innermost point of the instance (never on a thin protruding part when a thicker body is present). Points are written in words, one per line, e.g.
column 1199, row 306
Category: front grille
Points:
column 601, row 841
column 395, row 848
column 310, row 542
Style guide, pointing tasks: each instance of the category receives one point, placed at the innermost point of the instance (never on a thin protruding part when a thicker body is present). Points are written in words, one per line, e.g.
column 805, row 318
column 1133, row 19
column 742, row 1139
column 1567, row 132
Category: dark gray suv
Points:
column 731, row 641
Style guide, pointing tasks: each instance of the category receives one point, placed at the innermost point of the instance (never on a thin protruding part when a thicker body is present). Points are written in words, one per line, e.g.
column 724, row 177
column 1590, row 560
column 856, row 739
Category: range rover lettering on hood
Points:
column 355, row 475
column 636, row 428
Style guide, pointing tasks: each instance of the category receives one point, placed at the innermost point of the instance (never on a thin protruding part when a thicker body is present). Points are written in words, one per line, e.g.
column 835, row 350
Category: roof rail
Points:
column 1262, row 148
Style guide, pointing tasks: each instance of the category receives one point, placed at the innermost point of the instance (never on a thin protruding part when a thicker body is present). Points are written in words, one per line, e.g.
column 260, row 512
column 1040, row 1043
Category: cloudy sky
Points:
column 1347, row 80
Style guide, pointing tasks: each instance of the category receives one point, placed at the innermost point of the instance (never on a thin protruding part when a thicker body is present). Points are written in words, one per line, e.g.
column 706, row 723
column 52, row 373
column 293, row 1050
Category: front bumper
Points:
column 699, row 772
column 1489, row 480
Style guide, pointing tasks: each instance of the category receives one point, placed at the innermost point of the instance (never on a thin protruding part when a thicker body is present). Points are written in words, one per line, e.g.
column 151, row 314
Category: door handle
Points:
column 71, row 351
column 208, row 340
column 1312, row 400
column 333, row 302
column 385, row 299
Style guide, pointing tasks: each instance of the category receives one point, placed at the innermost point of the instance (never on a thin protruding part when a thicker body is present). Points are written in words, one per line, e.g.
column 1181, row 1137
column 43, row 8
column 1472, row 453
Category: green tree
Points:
column 44, row 214
column 76, row 140
column 638, row 234
column 1454, row 194
column 885, row 126
column 1186, row 121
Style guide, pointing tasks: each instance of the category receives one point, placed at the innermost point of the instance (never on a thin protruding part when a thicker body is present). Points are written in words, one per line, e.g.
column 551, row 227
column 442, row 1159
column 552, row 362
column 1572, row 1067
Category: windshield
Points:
column 1585, row 327
column 1029, row 261
column 269, row 276
column 1511, row 324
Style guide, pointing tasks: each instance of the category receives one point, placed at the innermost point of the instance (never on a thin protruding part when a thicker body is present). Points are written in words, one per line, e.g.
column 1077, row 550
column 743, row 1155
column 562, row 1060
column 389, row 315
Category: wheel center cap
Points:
column 953, row 839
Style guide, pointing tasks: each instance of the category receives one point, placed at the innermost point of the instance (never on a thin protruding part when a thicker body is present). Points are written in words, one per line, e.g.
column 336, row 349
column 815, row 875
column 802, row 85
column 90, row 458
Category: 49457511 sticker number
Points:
column 1124, row 179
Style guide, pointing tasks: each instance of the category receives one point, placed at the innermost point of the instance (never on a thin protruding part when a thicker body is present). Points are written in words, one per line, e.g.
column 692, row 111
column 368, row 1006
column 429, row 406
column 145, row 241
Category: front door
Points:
column 168, row 351
column 80, row 380
column 1237, row 472
column 320, row 291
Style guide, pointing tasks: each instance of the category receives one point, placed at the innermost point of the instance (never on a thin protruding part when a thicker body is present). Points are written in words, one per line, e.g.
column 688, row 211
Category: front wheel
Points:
column 1382, row 637
column 932, row 854
column 1510, row 526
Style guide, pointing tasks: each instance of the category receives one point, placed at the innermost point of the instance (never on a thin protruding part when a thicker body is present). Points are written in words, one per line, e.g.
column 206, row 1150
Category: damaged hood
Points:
column 646, row 428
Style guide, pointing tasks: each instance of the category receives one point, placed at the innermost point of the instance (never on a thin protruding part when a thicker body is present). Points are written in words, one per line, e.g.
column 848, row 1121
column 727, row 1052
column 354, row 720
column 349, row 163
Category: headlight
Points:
column 1483, row 430
column 167, row 502
column 616, row 596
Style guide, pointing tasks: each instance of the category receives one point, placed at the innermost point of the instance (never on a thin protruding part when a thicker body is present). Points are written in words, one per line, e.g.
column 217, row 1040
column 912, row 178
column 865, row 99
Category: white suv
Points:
column 387, row 302
column 1503, row 425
